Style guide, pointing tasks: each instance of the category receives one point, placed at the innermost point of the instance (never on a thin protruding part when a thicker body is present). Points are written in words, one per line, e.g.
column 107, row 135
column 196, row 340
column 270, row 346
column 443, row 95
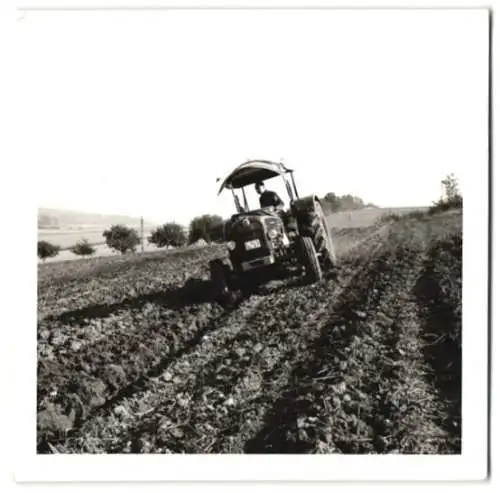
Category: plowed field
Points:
column 134, row 356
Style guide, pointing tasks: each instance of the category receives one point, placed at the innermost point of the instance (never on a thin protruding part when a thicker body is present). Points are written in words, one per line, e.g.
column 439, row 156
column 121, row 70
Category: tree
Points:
column 451, row 189
column 83, row 248
column 46, row 250
column 207, row 227
column 330, row 202
column 170, row 234
column 334, row 203
column 121, row 238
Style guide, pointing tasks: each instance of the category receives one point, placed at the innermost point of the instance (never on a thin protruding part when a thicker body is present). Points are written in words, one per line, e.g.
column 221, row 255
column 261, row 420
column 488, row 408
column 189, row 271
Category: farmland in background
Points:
column 66, row 238
column 134, row 356
column 69, row 237
column 367, row 217
column 66, row 228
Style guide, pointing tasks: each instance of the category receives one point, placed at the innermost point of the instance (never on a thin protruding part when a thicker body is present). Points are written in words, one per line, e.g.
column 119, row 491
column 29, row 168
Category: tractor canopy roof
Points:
column 253, row 172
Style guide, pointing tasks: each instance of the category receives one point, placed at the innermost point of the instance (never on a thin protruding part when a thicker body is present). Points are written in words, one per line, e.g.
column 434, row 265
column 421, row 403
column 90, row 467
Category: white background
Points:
column 138, row 112
column 19, row 319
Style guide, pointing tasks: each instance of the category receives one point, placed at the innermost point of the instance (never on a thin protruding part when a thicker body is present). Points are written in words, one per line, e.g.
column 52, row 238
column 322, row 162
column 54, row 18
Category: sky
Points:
column 139, row 113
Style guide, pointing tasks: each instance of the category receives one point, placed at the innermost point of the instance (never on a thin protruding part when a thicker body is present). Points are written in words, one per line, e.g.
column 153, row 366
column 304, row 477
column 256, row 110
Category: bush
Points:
column 170, row 234
column 444, row 205
column 46, row 250
column 416, row 215
column 452, row 197
column 83, row 248
column 122, row 239
column 389, row 218
column 207, row 227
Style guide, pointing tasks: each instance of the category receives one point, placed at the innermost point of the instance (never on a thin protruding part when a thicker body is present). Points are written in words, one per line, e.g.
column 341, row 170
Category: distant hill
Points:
column 68, row 219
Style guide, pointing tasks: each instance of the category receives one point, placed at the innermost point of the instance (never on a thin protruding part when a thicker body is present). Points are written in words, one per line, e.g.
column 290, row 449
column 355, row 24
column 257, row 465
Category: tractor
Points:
column 265, row 243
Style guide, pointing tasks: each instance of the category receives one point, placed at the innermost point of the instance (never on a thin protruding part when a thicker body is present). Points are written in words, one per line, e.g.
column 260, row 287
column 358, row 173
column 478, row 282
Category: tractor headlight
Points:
column 272, row 233
column 231, row 245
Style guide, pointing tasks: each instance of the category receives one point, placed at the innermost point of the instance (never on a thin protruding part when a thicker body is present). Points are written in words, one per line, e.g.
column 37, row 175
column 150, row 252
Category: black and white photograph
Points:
column 251, row 235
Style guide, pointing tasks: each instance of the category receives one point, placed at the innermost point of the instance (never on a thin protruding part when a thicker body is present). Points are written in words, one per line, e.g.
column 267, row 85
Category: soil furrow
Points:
column 439, row 307
column 388, row 406
column 196, row 364
column 301, row 316
column 302, row 398
column 135, row 357
column 68, row 302
column 147, row 391
column 210, row 399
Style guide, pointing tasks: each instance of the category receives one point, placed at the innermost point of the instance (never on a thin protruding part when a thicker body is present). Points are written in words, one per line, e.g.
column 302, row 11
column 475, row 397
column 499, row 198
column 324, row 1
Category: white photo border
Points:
column 470, row 465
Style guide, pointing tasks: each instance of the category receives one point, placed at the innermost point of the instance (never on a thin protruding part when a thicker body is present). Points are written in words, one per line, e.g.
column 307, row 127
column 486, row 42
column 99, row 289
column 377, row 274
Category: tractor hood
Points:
column 252, row 220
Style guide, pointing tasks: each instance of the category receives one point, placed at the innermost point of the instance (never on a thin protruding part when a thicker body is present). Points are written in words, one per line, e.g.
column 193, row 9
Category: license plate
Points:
column 250, row 245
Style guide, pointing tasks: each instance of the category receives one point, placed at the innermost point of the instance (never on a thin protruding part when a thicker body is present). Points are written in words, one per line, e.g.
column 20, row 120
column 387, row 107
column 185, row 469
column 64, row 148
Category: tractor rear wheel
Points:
column 313, row 224
column 309, row 259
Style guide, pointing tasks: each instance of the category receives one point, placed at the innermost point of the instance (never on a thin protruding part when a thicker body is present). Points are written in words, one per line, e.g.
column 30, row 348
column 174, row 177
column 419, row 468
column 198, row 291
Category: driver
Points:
column 268, row 198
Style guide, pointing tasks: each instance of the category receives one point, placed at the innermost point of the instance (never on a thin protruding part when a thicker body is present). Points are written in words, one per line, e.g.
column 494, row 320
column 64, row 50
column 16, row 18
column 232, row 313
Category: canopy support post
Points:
column 287, row 186
column 294, row 186
column 236, row 201
column 245, row 199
